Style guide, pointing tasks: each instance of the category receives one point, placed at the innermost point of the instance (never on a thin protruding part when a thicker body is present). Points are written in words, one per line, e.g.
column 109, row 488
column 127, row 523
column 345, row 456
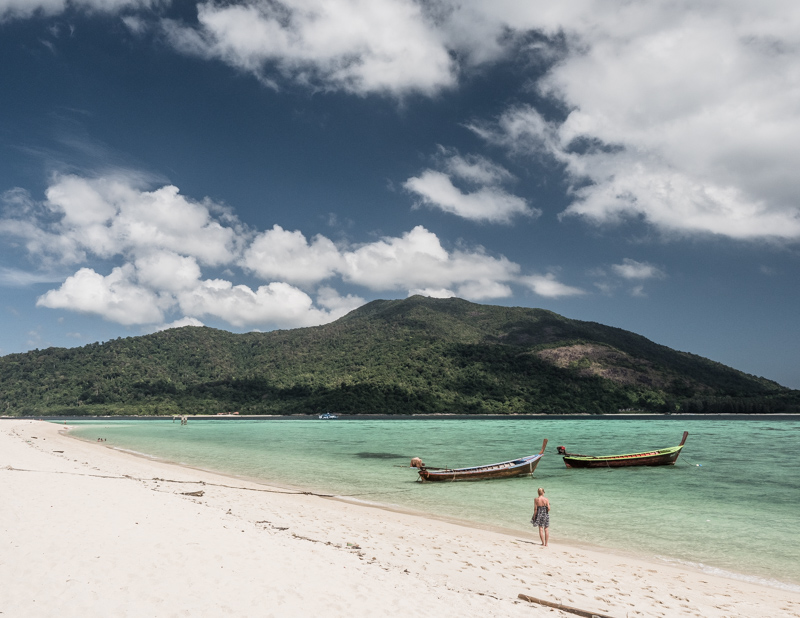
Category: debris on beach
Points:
column 563, row 608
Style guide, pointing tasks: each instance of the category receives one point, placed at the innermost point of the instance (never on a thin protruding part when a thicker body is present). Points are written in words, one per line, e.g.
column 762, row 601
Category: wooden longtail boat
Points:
column 662, row 457
column 502, row 470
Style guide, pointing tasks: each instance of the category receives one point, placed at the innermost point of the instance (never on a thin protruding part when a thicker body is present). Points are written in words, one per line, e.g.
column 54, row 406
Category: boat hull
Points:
column 668, row 459
column 502, row 470
column 479, row 475
column 661, row 457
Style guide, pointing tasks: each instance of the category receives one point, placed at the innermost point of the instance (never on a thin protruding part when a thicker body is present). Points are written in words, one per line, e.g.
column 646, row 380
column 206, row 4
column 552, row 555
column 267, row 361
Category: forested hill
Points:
column 418, row 355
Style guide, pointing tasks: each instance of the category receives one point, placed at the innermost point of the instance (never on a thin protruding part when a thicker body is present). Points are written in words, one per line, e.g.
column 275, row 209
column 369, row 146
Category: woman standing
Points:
column 541, row 516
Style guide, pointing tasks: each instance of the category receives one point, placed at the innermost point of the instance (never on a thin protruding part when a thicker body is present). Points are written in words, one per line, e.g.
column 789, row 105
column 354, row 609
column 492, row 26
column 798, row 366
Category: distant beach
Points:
column 92, row 531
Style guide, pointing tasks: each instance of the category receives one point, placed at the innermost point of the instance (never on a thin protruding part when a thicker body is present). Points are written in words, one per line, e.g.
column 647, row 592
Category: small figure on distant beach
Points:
column 541, row 516
column 417, row 463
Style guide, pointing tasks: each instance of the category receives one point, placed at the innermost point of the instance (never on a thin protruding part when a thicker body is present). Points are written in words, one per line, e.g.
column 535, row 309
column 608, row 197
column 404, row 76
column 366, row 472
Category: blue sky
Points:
column 254, row 164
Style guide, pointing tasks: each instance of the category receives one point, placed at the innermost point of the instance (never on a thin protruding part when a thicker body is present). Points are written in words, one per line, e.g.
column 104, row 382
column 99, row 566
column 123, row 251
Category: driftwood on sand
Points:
column 563, row 608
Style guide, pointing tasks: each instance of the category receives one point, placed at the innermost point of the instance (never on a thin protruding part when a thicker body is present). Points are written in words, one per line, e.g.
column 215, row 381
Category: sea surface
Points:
column 731, row 504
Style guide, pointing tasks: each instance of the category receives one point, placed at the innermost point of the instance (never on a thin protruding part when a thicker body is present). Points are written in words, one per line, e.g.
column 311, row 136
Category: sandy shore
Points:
column 90, row 531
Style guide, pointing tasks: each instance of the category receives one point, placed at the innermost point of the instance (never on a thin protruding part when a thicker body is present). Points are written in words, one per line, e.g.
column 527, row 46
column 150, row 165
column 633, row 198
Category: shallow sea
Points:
column 730, row 504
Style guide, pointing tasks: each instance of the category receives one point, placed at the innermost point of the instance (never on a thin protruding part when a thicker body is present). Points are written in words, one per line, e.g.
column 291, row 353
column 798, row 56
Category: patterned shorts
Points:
column 542, row 518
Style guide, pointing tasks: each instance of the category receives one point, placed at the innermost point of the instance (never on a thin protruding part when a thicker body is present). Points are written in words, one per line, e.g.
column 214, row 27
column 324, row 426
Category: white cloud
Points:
column 523, row 130
column 485, row 199
column 483, row 290
column 360, row 46
column 14, row 277
column 337, row 304
column 10, row 9
column 26, row 8
column 110, row 216
column 686, row 116
column 157, row 244
column 179, row 324
column 475, row 168
column 115, row 297
column 288, row 256
column 492, row 204
column 605, row 287
column 631, row 269
column 471, row 290
column 275, row 303
column 120, row 297
column 135, row 24
column 80, row 201
column 417, row 260
column 432, row 292
column 549, row 287
column 164, row 270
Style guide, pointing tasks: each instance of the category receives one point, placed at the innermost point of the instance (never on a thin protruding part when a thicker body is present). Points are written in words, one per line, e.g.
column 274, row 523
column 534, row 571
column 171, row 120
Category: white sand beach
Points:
column 91, row 531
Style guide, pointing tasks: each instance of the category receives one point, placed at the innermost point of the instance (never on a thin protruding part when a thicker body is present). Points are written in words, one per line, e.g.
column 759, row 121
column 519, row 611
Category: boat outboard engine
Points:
column 561, row 450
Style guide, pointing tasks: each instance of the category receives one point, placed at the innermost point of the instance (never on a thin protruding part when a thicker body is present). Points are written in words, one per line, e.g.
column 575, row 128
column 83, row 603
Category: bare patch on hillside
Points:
column 605, row 362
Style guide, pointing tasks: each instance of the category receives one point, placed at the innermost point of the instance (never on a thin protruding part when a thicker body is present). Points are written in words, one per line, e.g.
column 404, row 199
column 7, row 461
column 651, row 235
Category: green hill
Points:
column 418, row 355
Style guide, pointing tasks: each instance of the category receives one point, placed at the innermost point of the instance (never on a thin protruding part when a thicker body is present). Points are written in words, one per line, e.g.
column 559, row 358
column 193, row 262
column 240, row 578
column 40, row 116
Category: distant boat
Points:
column 662, row 457
column 327, row 416
column 502, row 470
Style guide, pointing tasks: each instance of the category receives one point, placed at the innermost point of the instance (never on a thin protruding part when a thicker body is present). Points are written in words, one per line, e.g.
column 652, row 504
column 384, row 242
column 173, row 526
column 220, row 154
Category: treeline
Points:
column 787, row 404
column 417, row 355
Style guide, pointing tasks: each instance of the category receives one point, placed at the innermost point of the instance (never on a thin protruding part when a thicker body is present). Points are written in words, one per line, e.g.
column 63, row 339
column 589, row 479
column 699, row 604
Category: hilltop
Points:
column 418, row 355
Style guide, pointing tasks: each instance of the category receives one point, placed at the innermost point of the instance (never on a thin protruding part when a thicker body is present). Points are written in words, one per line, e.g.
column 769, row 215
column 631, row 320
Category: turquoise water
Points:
column 736, row 511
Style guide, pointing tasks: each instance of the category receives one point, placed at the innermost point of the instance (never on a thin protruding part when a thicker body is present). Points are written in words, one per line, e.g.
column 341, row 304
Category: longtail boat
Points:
column 661, row 457
column 502, row 470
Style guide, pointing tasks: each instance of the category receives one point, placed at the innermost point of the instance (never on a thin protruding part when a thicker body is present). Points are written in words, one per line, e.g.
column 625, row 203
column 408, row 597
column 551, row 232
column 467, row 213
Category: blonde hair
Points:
column 541, row 490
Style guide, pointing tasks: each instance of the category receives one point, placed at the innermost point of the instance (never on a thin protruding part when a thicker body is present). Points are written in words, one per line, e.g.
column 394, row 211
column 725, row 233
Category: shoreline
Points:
column 371, row 504
column 396, row 560
column 531, row 536
column 400, row 417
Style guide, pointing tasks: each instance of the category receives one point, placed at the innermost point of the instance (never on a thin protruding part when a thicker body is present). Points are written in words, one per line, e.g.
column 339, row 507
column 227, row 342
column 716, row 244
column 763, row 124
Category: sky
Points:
column 274, row 164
